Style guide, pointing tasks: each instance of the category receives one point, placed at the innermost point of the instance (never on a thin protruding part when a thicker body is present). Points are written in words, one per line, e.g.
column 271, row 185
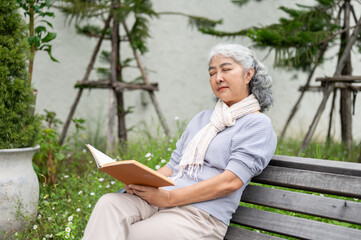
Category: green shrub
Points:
column 19, row 126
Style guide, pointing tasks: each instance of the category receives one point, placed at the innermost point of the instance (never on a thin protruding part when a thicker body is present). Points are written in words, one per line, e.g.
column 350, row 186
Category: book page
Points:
column 100, row 158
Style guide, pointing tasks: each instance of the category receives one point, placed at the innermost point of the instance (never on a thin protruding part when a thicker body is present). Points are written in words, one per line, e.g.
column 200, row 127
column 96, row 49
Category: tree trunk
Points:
column 112, row 106
column 32, row 47
column 346, row 96
column 115, row 73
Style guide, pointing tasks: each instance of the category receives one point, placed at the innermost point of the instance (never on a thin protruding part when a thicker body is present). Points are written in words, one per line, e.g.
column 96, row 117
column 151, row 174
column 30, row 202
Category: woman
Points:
column 216, row 157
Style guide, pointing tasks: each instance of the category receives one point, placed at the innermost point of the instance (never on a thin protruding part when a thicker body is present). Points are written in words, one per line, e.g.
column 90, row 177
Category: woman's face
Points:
column 228, row 79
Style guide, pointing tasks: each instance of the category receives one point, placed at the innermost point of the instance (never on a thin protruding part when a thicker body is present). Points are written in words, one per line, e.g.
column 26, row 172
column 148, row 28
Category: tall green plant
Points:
column 19, row 127
column 39, row 35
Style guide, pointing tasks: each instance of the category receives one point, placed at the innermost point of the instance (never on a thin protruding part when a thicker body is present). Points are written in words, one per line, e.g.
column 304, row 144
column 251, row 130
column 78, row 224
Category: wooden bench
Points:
column 317, row 178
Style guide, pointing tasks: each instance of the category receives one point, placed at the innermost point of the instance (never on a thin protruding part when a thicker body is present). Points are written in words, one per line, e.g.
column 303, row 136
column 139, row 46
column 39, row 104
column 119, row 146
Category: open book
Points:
column 129, row 171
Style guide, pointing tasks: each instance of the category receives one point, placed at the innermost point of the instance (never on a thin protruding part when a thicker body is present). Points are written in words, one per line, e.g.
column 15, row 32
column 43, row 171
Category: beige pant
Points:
column 124, row 216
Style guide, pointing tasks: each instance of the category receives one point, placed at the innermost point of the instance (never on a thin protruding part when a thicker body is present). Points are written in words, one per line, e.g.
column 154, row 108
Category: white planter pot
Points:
column 19, row 188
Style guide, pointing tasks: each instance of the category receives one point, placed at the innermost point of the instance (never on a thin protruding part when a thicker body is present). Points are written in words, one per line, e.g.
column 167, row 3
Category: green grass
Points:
column 68, row 205
column 63, row 210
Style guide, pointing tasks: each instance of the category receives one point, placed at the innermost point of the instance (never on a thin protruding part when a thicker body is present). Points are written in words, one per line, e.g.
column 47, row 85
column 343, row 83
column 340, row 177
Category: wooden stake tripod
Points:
column 114, row 84
column 329, row 85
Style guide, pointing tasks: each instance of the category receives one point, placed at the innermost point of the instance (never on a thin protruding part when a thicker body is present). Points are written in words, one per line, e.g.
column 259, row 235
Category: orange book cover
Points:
column 129, row 171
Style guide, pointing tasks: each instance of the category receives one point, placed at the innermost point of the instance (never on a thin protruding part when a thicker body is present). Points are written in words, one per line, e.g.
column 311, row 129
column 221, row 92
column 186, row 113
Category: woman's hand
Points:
column 127, row 189
column 155, row 196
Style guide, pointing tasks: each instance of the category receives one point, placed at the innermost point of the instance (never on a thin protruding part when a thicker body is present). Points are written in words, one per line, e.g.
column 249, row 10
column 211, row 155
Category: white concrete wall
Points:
column 177, row 60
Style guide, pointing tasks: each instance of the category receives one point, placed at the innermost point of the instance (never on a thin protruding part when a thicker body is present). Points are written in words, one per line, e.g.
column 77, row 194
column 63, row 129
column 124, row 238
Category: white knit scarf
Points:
column 222, row 117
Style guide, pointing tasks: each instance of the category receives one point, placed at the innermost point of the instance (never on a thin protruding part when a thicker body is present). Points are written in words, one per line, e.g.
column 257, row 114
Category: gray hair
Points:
column 260, row 84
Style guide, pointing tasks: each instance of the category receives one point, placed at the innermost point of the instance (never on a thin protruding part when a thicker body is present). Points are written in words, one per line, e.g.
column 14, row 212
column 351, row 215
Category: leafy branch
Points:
column 39, row 36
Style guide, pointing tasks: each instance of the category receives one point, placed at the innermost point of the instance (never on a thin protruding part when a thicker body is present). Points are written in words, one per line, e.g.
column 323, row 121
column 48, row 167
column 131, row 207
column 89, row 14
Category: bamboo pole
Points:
column 296, row 106
column 119, row 86
column 329, row 88
column 331, row 115
column 147, row 82
column 85, row 77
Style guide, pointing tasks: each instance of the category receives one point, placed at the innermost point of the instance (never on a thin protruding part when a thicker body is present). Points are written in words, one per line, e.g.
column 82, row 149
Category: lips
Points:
column 221, row 88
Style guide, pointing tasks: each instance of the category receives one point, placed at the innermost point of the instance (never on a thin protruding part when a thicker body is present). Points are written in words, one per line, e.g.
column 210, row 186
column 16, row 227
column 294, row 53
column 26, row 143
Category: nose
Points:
column 219, row 78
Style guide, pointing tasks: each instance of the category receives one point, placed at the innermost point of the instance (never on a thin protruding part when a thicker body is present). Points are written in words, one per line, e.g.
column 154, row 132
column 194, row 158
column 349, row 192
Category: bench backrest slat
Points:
column 343, row 185
column 337, row 209
column 318, row 165
column 292, row 226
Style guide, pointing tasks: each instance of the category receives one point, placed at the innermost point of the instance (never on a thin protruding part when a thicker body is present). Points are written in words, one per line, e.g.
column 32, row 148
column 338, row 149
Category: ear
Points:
column 249, row 75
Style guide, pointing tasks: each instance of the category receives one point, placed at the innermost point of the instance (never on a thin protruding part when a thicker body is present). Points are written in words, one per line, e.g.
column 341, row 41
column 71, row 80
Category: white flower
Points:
column 356, row 199
column 84, row 150
column 70, row 218
column 80, row 192
column 35, row 227
column 78, row 209
column 92, row 193
column 67, row 229
column 90, row 205
column 157, row 167
column 112, row 182
column 66, row 176
column 39, row 216
column 49, row 218
column 107, row 186
column 149, row 159
column 176, row 118
column 101, row 179
column 66, row 236
column 69, row 200
column 16, row 233
column 169, row 149
column 171, row 140
column 163, row 161
column 44, row 238
column 53, row 208
column 148, row 155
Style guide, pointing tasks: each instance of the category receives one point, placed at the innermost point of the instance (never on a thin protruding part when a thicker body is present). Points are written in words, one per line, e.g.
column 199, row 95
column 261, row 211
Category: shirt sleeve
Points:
column 252, row 148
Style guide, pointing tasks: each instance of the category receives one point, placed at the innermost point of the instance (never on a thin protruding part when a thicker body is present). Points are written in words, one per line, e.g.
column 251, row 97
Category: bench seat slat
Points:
column 343, row 185
column 236, row 233
column 342, row 210
column 292, row 226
